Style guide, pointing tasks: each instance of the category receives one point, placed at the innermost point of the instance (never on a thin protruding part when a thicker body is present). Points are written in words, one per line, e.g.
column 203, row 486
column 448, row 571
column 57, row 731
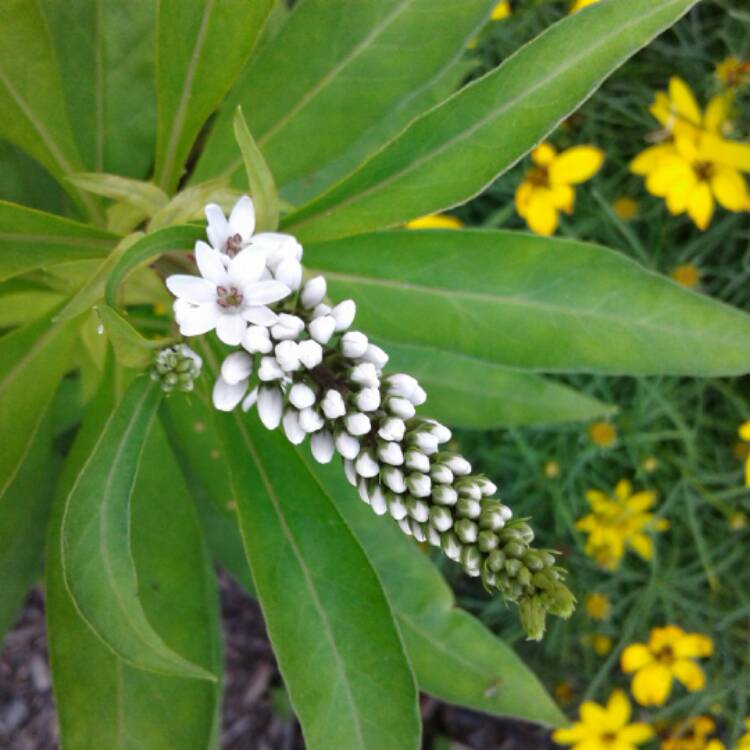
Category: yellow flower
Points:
column 732, row 72
column 581, row 4
column 650, row 464
column 605, row 728
column 737, row 521
column 745, row 739
column 625, row 208
column 548, row 188
column 602, row 434
column 602, row 644
column 598, row 606
column 692, row 734
column 686, row 275
column 619, row 522
column 552, row 469
column 697, row 166
column 670, row 653
column 435, row 221
column 501, row 10
column 744, row 433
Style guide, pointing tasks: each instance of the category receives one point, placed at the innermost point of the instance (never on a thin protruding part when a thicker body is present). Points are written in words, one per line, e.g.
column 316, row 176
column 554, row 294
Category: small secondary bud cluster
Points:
column 176, row 368
column 306, row 370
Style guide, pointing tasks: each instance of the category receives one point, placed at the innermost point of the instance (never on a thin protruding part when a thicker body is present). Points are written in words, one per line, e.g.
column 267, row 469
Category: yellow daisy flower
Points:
column 605, row 728
column 618, row 523
column 686, row 275
column 598, row 606
column 602, row 434
column 692, row 734
column 744, row 433
column 548, row 188
column 732, row 72
column 650, row 464
column 552, row 469
column 669, row 654
column 602, row 644
column 435, row 221
column 581, row 4
column 501, row 10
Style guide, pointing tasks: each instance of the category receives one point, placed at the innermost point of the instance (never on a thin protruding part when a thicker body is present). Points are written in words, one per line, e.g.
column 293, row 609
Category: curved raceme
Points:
column 305, row 368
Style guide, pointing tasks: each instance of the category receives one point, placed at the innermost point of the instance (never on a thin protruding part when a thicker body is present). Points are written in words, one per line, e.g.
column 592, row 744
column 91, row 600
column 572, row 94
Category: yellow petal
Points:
column 744, row 430
column 576, row 165
column 670, row 171
column 500, row 11
column 689, row 674
column 641, row 501
column 592, row 714
column 717, row 112
column 635, row 657
column 693, row 645
column 683, row 101
column 700, row 205
column 523, row 196
column 563, row 197
column 623, row 490
column 661, row 108
column 618, row 710
column 730, row 189
column 649, row 158
column 543, row 154
column 728, row 153
column 678, row 194
column 636, row 734
column 643, row 545
column 580, row 5
column 570, row 735
column 541, row 214
column 652, row 685
column 435, row 221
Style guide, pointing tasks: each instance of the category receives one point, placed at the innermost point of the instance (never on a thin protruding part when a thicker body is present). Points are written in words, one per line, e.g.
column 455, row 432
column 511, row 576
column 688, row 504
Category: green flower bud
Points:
column 496, row 560
column 470, row 557
column 466, row 530
column 533, row 617
column 514, row 549
column 468, row 508
column 487, row 541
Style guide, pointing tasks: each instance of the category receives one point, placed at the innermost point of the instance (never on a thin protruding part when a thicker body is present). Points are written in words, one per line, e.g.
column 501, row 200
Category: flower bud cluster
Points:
column 176, row 368
column 309, row 372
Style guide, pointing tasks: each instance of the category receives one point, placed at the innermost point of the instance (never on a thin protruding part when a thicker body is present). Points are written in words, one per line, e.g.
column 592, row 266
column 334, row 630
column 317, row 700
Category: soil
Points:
column 256, row 714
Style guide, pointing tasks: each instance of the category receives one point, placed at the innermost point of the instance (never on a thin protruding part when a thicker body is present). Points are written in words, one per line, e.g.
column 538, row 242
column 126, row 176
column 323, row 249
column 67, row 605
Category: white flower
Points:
column 310, row 420
column 226, row 298
column 375, row 355
column 313, row 292
column 310, row 353
column 231, row 236
column 321, row 444
column 365, row 374
column 391, row 453
column 287, row 355
column 288, row 327
column 366, row 465
column 289, row 272
column 257, row 339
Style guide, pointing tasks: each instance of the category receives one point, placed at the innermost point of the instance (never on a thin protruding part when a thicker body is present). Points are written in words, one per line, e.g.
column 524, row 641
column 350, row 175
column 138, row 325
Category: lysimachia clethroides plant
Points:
column 179, row 392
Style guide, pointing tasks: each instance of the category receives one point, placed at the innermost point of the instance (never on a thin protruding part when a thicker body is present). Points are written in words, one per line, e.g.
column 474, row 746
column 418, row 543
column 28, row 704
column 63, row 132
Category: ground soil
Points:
column 256, row 712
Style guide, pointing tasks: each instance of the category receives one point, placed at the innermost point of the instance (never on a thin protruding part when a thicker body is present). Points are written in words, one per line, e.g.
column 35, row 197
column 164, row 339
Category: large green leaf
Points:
column 137, row 710
column 96, row 540
column 32, row 239
column 455, row 150
column 334, row 70
column 32, row 361
column 106, row 54
column 201, row 46
column 473, row 392
column 531, row 302
column 23, row 180
column 328, row 619
column 31, row 95
column 453, row 655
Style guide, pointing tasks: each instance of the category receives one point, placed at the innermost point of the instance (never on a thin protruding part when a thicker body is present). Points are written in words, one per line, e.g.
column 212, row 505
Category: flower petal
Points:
column 227, row 395
column 236, row 366
column 265, row 292
column 198, row 320
column 230, row 328
column 730, row 189
column 192, row 288
column 210, row 263
column 700, row 205
column 543, row 154
column 246, row 266
column 541, row 214
column 576, row 165
column 218, row 227
column 717, row 112
column 242, row 218
column 618, row 710
column 635, row 657
column 683, row 101
column 636, row 734
column 652, row 685
column 689, row 674
column 260, row 315
column 693, row 645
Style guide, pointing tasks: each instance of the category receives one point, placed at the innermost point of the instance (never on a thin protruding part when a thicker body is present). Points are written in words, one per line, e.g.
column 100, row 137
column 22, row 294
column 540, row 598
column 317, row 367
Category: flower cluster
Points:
column 694, row 733
column 305, row 369
column 548, row 186
column 176, row 368
column 619, row 522
column 695, row 166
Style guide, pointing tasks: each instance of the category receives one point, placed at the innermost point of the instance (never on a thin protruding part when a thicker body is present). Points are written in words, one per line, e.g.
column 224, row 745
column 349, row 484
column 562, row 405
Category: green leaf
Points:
column 25, row 181
column 144, row 196
column 473, row 392
column 146, row 248
column 32, row 361
column 138, row 710
column 314, row 89
column 453, row 655
column 106, row 54
column 31, row 96
column 32, row 239
column 531, row 302
column 131, row 349
column 455, row 150
column 328, row 619
column 201, row 46
column 96, row 545
column 259, row 177
column 189, row 204
column 188, row 421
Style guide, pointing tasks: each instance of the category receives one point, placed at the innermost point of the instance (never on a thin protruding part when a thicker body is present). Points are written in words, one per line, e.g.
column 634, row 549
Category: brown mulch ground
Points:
column 255, row 708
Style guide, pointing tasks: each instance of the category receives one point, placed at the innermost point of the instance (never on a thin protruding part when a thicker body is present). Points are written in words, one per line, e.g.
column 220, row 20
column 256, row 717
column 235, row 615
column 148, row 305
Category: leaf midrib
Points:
column 328, row 631
column 572, row 62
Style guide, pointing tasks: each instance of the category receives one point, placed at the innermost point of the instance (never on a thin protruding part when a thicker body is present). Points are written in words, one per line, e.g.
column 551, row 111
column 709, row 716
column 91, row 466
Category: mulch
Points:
column 256, row 713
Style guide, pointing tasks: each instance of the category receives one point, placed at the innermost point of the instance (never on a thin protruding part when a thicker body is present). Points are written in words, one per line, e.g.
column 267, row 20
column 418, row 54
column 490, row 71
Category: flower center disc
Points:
column 231, row 297
column 234, row 245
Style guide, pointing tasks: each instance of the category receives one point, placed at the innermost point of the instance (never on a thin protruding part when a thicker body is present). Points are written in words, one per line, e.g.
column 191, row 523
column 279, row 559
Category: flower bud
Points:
column 514, row 549
column 301, row 395
column 310, row 420
column 487, row 541
column 378, row 500
column 468, row 488
column 376, row 356
column 364, row 490
column 451, row 546
column 466, row 530
column 405, row 526
column 417, row 531
column 310, row 353
column 426, row 442
column 354, row 344
column 321, row 310
column 457, row 464
column 491, row 518
column 441, row 518
column 226, row 396
column 288, row 327
column 333, row 405
column 433, row 537
column 390, row 453
column 401, row 385
column 443, row 495
column 488, row 489
column 441, row 474
column 270, row 404
column 413, row 459
column 365, row 374
column 294, row 433
column 396, row 506
column 289, row 272
column 236, row 367
column 368, row 399
column 496, row 560
column 347, row 445
column 350, row 472
column 470, row 557
column 257, row 339
column 287, row 354
column 343, row 314
column 399, row 407
column 418, row 396
column 441, row 432
column 468, row 508
column 270, row 369
column 321, row 329
column 250, row 399
column 366, row 465
column 417, row 509
column 393, row 478
column 313, row 292
column 322, row 446
column 357, row 423
column 419, row 485
column 392, row 428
